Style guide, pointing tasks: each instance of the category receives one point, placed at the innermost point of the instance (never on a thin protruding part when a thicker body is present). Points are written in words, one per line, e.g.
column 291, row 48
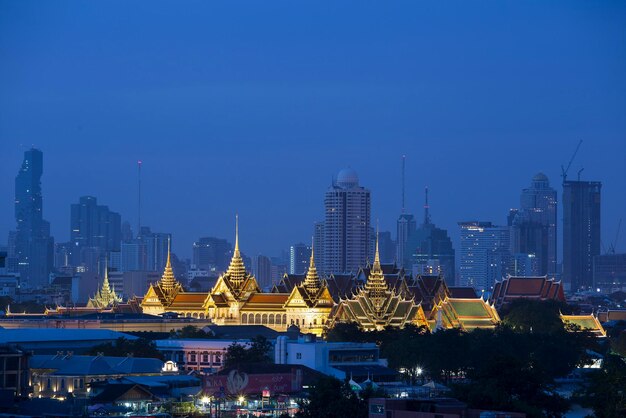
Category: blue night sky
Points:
column 252, row 107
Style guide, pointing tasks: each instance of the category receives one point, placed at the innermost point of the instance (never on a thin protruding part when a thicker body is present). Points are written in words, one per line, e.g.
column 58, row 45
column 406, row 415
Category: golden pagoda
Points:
column 161, row 295
column 375, row 306
column 105, row 297
column 232, row 290
column 310, row 303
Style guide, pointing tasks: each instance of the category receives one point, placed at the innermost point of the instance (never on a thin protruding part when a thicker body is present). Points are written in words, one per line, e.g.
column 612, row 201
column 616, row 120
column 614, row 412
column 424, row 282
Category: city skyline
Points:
column 417, row 209
column 235, row 118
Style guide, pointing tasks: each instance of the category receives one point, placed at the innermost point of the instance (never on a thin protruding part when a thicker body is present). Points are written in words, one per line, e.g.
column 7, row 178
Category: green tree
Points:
column 606, row 393
column 331, row 398
column 347, row 332
column 190, row 331
column 258, row 352
column 527, row 315
column 122, row 347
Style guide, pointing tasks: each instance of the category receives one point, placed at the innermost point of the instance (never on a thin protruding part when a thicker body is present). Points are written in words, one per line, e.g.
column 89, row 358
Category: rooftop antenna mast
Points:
column 565, row 170
column 403, row 207
column 139, row 198
column 426, row 207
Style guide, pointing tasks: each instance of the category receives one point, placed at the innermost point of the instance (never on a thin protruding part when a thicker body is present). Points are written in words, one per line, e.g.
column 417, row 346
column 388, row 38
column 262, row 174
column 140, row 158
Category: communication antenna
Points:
column 139, row 197
column 403, row 158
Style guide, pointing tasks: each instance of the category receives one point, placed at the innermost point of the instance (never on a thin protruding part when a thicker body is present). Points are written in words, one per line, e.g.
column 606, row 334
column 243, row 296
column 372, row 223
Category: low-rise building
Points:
column 57, row 376
column 359, row 361
column 51, row 341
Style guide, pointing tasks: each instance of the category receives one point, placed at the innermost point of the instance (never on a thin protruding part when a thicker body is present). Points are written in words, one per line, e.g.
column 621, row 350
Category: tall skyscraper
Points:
column 347, row 224
column 147, row 252
column 33, row 246
column 429, row 250
column 299, row 255
column 485, row 254
column 533, row 227
column 405, row 227
column 92, row 227
column 262, row 268
column 212, row 254
column 318, row 244
column 581, row 231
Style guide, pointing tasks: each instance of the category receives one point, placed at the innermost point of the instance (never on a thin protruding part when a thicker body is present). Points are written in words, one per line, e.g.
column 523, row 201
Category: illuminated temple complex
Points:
column 236, row 299
column 376, row 297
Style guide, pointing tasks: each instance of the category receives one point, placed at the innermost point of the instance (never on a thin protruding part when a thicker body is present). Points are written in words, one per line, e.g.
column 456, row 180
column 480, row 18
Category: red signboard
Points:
column 241, row 383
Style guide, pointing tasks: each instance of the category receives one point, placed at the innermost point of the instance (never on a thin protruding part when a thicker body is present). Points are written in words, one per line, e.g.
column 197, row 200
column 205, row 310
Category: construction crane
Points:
column 565, row 170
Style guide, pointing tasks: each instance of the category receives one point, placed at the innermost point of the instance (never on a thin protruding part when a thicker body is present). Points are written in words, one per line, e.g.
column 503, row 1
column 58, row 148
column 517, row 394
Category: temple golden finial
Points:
column 312, row 281
column 312, row 263
column 376, row 255
column 168, row 282
column 237, row 234
column 169, row 251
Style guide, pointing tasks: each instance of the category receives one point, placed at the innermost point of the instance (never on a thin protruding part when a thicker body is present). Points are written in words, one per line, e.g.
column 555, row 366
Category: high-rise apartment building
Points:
column 32, row 245
column 299, row 255
column 485, row 254
column 581, row 232
column 347, row 224
column 533, row 226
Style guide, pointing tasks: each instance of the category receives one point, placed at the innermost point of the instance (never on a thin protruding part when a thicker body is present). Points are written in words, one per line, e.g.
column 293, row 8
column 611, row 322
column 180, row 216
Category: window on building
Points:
column 192, row 357
column 299, row 356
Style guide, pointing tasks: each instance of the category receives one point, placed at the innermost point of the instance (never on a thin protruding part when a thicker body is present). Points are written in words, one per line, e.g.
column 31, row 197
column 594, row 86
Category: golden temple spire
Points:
column 312, row 280
column 105, row 296
column 236, row 270
column 376, row 265
column 236, row 235
column 168, row 281
column 376, row 286
column 106, row 289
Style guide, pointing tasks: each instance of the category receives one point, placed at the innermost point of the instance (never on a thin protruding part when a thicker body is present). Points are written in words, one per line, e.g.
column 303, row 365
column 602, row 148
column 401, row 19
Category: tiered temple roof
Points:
column 538, row 288
column 168, row 294
column 105, row 297
column 375, row 305
column 236, row 284
column 312, row 291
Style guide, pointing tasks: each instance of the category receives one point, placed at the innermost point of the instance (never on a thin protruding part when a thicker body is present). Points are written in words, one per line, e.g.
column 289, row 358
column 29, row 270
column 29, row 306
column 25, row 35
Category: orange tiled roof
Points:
column 278, row 298
column 189, row 299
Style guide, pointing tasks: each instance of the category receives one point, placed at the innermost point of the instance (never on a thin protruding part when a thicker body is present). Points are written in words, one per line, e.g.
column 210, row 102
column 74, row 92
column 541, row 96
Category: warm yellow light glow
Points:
column 242, row 399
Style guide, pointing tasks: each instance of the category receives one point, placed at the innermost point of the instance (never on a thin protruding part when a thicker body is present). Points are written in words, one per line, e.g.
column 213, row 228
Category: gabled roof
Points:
column 585, row 322
column 539, row 288
column 612, row 315
column 119, row 392
column 71, row 365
